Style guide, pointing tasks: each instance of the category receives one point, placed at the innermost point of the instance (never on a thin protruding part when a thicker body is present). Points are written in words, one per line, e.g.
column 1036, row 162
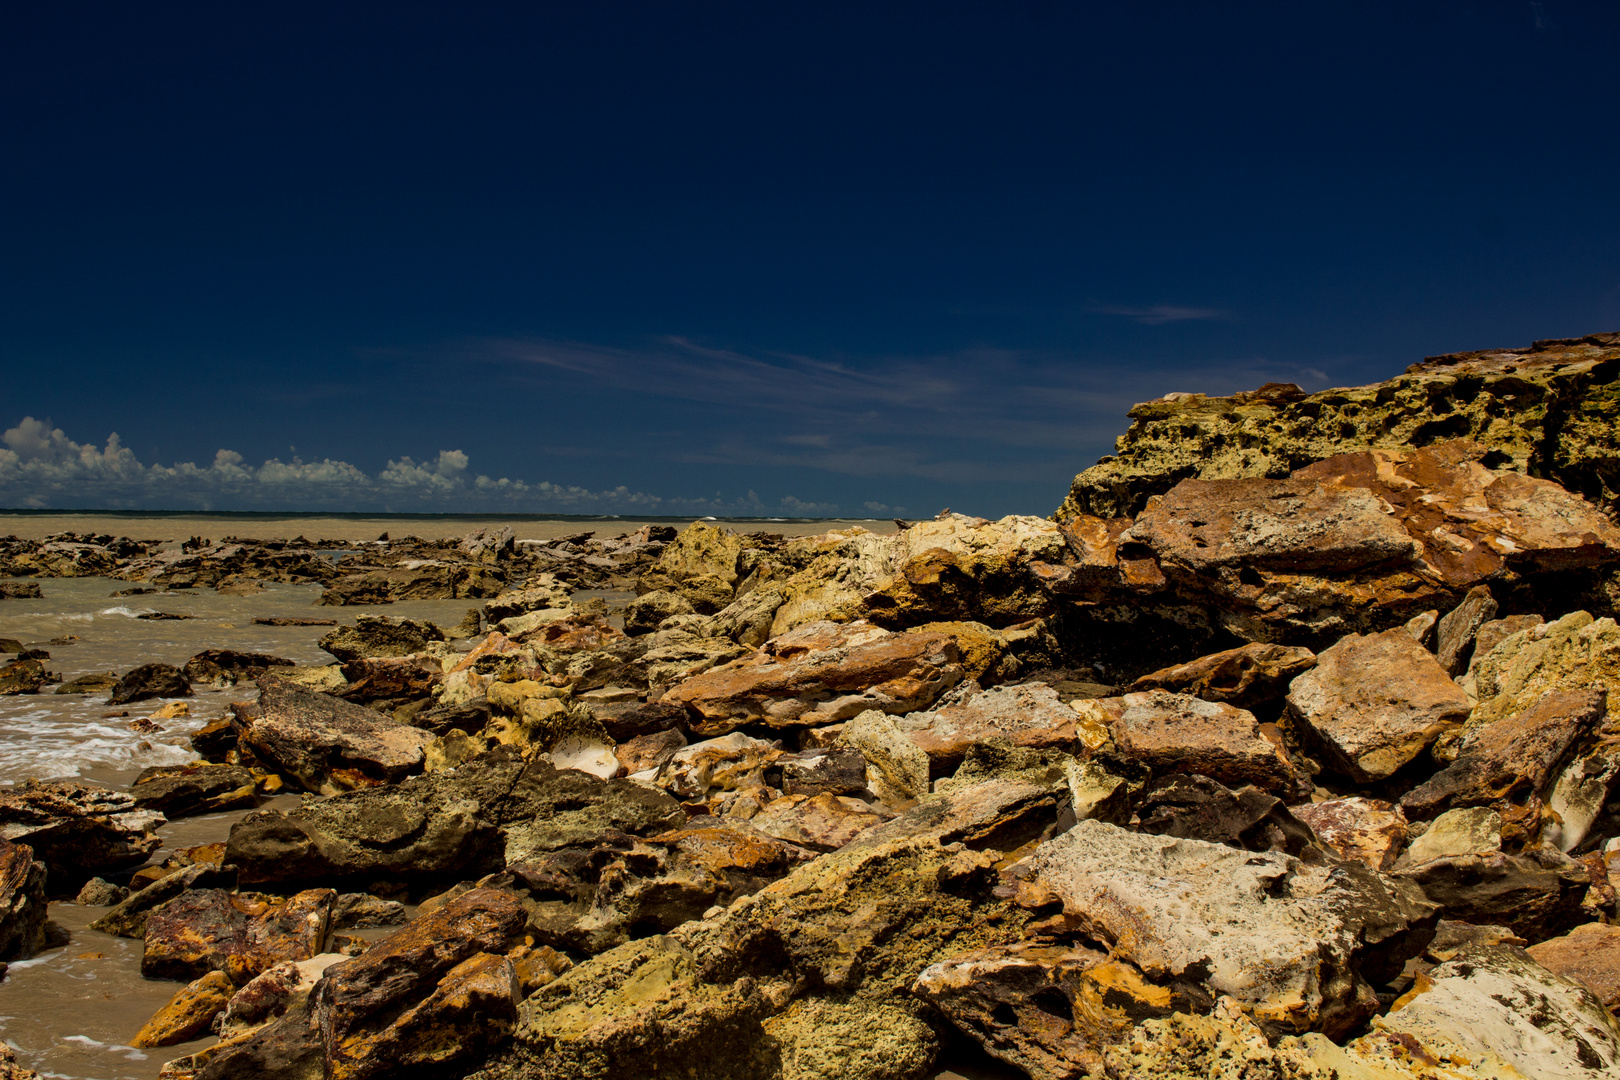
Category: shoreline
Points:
column 256, row 525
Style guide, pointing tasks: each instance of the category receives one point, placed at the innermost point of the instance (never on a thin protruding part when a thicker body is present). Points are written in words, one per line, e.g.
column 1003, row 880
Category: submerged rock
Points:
column 150, row 681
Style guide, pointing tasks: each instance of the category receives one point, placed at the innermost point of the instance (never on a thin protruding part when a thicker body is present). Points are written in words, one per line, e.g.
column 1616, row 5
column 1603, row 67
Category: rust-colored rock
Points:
column 1248, row 676
column 207, row 930
column 1589, row 955
column 1175, row 733
column 1370, row 831
column 1513, row 760
column 198, row 788
column 188, row 1014
column 1375, row 702
column 329, row 745
column 820, row 674
column 78, row 830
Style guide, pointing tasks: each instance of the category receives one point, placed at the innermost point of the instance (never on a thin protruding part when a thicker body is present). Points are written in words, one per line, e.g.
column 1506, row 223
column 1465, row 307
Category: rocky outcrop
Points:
column 77, row 830
column 180, row 790
column 377, row 636
column 327, row 745
column 204, row 930
column 227, row 667
column 1546, row 411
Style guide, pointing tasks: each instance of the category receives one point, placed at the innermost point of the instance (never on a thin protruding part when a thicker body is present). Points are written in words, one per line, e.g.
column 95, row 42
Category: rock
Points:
column 23, row 677
column 473, row 1007
column 328, row 745
column 378, row 636
column 204, row 930
column 835, row 771
column 730, row 763
column 489, row 544
column 1369, row 831
column 351, row 911
column 278, row 990
column 1589, row 955
column 649, row 752
column 540, row 593
column 820, row 822
column 453, row 826
column 1513, row 761
column 1374, row 702
column 1095, row 793
column 586, row 754
column 1546, row 410
column 821, row 674
column 1474, row 831
column 1574, row 653
column 89, row 684
column 649, row 609
column 1194, row 807
column 1301, row 945
column 854, row 1040
column 1174, row 733
column 188, row 1014
column 523, row 626
column 831, row 931
column 99, row 892
column 1029, row 715
column 701, row 550
column 897, row 767
column 1454, row 644
column 20, row 590
column 150, row 681
column 128, row 917
column 1497, row 1004
column 22, row 902
column 1421, row 627
column 181, row 790
column 1048, row 1009
column 1536, row 895
column 1247, row 677
column 1496, row 631
column 77, row 830
column 390, row 678
column 426, row 580
column 227, row 667
column 321, row 678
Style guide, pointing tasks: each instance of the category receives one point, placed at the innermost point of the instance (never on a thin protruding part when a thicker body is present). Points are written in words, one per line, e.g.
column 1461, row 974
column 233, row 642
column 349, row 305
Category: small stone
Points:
column 99, row 892
column 188, row 1014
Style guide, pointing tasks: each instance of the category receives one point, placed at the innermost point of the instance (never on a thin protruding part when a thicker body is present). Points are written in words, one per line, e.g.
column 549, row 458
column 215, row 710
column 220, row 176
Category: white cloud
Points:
column 41, row 467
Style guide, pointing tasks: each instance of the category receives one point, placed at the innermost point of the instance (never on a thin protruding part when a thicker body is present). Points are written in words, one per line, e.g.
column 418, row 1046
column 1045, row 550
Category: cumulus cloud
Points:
column 41, row 467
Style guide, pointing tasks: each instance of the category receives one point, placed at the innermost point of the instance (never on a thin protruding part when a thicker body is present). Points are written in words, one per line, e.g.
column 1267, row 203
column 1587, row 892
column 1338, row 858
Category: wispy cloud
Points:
column 1160, row 314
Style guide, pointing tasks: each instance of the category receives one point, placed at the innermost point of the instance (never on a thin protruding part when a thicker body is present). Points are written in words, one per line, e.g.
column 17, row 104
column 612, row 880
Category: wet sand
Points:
column 177, row 527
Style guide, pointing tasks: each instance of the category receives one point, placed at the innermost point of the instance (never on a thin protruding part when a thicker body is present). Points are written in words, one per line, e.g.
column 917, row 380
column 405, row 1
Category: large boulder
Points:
column 329, row 745
column 1375, row 702
column 1301, row 945
column 1547, row 410
column 77, row 830
column 820, row 674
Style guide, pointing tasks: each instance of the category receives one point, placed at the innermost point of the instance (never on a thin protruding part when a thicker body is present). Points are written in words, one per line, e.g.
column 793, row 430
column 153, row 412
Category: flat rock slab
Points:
column 821, row 674
column 1374, row 702
column 179, row 790
column 329, row 745
column 822, row 822
column 1177, row 733
column 1298, row 944
column 78, row 830
column 1029, row 715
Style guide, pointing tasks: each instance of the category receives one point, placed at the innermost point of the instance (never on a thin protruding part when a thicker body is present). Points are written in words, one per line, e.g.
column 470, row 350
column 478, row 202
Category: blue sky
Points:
column 788, row 258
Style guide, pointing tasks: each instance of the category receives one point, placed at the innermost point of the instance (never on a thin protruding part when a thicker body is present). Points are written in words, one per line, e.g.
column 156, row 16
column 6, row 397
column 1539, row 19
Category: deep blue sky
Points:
column 910, row 255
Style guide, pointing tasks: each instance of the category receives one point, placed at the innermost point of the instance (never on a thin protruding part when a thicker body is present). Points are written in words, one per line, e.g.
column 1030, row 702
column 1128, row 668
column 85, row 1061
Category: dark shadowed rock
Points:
column 1536, row 895
column 22, row 902
column 128, row 916
column 181, row 790
column 378, row 635
column 25, row 676
column 1194, row 807
column 227, row 667
column 150, row 681
column 77, row 830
